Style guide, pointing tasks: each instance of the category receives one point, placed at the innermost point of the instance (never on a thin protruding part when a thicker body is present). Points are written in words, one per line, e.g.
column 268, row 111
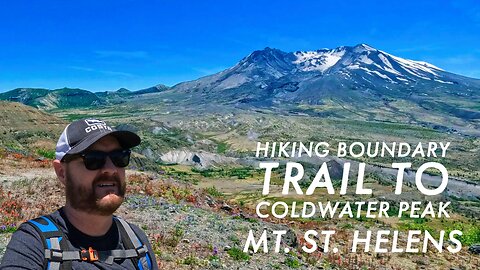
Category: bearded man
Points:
column 90, row 162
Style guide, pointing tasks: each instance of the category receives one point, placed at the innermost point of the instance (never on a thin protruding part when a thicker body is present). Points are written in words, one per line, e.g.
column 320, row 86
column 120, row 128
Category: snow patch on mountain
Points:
column 320, row 60
column 427, row 65
column 440, row 81
column 366, row 58
column 414, row 67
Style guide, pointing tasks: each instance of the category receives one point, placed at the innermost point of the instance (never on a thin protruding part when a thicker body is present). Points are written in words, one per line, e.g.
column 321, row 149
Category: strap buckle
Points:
column 141, row 250
column 55, row 255
column 90, row 255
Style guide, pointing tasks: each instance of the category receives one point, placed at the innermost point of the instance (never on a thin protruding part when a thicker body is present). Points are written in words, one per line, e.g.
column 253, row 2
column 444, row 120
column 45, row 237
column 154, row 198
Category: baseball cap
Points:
column 81, row 134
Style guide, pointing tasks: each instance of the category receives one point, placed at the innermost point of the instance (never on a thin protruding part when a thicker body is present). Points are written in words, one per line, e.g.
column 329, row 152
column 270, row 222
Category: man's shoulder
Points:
column 29, row 225
column 26, row 230
column 25, row 249
column 51, row 222
column 136, row 229
column 142, row 236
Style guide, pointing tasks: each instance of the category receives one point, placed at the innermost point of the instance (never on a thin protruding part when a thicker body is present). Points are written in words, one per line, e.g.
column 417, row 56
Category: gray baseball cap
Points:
column 81, row 134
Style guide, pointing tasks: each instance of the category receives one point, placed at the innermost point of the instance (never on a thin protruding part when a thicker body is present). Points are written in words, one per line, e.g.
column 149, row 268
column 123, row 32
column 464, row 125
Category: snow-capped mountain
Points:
column 370, row 60
column 344, row 74
column 352, row 82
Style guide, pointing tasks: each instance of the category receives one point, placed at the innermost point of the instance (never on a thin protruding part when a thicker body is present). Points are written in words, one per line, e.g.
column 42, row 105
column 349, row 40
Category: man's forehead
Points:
column 108, row 142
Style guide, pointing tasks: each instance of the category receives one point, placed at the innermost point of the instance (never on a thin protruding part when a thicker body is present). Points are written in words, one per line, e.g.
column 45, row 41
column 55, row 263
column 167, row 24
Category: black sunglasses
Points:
column 95, row 160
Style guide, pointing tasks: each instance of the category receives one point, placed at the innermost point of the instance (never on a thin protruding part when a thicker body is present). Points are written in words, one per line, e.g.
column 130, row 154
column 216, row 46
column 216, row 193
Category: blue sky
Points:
column 105, row 45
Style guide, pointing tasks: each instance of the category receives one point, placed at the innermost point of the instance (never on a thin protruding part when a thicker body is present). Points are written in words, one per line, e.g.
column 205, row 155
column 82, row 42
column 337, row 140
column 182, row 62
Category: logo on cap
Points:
column 94, row 124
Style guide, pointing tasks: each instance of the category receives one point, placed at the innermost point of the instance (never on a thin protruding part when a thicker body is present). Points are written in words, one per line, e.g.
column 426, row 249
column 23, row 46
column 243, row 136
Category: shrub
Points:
column 292, row 262
column 213, row 191
column 238, row 255
column 470, row 233
column 190, row 260
column 50, row 154
column 222, row 148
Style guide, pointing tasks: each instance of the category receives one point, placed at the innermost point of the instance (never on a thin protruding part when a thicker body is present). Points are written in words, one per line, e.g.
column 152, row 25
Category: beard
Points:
column 83, row 198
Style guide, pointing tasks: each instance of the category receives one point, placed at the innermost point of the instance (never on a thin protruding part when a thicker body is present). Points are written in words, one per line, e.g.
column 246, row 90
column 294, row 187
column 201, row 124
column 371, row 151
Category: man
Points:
column 90, row 161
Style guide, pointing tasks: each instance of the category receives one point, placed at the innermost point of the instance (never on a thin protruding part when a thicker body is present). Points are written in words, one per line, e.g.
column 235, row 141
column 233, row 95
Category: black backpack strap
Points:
column 131, row 241
column 59, row 257
column 54, row 242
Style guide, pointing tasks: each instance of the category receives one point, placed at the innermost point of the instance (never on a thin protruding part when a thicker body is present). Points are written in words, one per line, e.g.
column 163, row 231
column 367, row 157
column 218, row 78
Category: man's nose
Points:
column 109, row 167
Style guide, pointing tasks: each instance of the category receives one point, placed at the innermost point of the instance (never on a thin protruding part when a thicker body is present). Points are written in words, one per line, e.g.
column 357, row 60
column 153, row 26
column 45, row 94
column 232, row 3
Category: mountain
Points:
column 51, row 99
column 153, row 89
column 123, row 95
column 358, row 77
column 352, row 82
column 72, row 98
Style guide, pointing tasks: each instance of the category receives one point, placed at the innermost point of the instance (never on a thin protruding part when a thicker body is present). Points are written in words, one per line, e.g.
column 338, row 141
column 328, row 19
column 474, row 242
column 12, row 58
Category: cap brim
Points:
column 127, row 139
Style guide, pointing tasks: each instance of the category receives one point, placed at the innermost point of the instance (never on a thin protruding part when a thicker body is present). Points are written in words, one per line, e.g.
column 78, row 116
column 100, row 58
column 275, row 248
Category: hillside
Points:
column 68, row 98
column 24, row 128
column 52, row 99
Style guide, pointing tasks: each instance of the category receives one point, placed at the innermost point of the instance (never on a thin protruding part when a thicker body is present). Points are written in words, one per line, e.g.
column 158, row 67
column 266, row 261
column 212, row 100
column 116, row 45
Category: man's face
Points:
column 99, row 191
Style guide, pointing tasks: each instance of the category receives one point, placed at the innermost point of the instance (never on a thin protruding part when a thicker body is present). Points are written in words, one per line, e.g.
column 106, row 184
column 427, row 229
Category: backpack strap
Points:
column 131, row 241
column 59, row 257
column 54, row 241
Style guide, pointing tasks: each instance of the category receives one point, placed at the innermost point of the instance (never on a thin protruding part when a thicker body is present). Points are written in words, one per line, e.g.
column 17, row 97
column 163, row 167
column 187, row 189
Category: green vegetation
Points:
column 346, row 226
column 249, row 219
column 179, row 232
column 50, row 154
column 470, row 233
column 213, row 191
column 75, row 116
column 234, row 239
column 239, row 172
column 222, row 148
column 7, row 229
column 172, row 138
column 190, row 260
column 470, row 229
column 238, row 255
column 292, row 262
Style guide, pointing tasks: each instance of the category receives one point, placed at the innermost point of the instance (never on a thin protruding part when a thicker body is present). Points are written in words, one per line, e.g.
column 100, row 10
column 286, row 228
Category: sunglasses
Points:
column 95, row 160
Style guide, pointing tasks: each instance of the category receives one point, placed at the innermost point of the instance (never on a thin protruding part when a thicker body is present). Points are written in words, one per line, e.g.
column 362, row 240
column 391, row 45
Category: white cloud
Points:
column 122, row 54
column 105, row 72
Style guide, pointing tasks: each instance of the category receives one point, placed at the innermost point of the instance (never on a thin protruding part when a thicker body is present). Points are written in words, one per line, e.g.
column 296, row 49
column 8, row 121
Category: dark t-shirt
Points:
column 26, row 250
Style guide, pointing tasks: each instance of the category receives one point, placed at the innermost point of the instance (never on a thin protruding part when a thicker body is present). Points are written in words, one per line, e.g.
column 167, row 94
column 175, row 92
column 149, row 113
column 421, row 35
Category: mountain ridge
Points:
column 358, row 82
column 64, row 98
column 276, row 63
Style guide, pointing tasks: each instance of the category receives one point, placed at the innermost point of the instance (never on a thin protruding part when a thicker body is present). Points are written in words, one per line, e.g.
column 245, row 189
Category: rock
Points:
column 335, row 169
column 185, row 240
column 201, row 159
column 226, row 207
column 290, row 238
column 148, row 152
column 252, row 135
column 380, row 255
column 422, row 261
column 227, row 248
column 475, row 249
column 210, row 201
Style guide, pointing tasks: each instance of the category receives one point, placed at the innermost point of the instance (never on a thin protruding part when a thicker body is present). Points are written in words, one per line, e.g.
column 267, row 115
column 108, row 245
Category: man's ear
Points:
column 59, row 170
